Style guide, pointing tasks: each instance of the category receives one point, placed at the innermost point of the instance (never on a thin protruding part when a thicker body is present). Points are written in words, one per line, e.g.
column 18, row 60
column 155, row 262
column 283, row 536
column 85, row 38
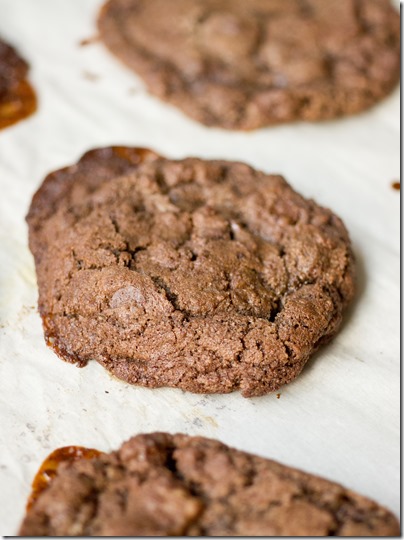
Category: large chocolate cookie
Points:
column 242, row 64
column 203, row 275
column 17, row 98
column 172, row 485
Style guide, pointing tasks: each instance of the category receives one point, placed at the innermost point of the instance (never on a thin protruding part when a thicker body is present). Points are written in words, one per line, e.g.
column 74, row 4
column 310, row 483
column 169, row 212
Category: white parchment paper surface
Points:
column 339, row 419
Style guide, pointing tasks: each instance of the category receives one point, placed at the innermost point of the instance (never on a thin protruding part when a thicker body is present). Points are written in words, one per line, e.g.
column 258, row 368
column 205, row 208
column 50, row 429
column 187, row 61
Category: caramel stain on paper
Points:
column 201, row 420
column 24, row 312
column 210, row 420
column 90, row 76
column 27, row 273
column 134, row 91
column 396, row 185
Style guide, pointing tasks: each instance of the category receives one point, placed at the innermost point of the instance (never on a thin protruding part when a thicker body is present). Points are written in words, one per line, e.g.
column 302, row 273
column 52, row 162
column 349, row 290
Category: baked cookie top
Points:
column 244, row 64
column 17, row 98
column 209, row 276
column 176, row 485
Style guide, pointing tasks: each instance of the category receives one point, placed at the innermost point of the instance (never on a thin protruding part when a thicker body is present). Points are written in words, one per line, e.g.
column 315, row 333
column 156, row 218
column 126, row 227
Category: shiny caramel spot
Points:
column 49, row 467
column 17, row 98
column 18, row 103
column 133, row 155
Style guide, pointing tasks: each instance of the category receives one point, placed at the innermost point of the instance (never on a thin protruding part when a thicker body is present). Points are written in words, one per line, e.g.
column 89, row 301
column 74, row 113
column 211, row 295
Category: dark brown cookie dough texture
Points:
column 203, row 275
column 243, row 64
column 172, row 485
column 17, row 98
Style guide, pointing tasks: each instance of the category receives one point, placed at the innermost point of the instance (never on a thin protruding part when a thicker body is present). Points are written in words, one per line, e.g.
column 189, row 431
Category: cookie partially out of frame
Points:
column 172, row 485
column 243, row 64
column 17, row 98
column 208, row 276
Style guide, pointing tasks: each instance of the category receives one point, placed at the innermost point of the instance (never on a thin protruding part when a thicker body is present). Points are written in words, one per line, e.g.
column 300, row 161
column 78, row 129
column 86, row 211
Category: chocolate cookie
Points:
column 203, row 275
column 243, row 64
column 175, row 485
column 17, row 98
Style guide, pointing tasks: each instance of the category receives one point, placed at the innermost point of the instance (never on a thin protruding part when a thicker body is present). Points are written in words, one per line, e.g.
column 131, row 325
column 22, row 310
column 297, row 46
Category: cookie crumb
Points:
column 396, row 185
column 278, row 396
column 88, row 41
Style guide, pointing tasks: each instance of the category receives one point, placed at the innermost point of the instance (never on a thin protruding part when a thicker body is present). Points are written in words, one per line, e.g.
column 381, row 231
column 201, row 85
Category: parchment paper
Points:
column 339, row 419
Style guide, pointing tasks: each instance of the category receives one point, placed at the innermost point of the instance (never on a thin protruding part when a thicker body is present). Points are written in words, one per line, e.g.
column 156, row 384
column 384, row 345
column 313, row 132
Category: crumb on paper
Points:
column 88, row 41
column 395, row 185
column 278, row 396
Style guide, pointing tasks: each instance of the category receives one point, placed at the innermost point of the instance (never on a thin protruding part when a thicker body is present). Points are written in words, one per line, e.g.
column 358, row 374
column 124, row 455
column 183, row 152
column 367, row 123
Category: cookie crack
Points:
column 170, row 295
column 133, row 254
column 171, row 465
column 337, row 512
column 357, row 7
column 93, row 498
column 306, row 10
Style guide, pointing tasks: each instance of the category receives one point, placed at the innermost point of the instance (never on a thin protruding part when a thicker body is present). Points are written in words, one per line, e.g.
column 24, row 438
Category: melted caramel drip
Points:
column 17, row 98
column 136, row 156
column 18, row 103
column 49, row 467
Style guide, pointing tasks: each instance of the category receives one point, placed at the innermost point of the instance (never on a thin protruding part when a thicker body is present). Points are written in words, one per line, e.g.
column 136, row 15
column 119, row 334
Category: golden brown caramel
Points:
column 49, row 467
column 17, row 98
column 132, row 155
column 19, row 103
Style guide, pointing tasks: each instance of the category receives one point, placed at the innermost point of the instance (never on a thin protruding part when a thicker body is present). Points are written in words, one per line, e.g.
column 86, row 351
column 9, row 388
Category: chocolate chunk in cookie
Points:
column 208, row 276
column 17, row 98
column 244, row 64
column 176, row 485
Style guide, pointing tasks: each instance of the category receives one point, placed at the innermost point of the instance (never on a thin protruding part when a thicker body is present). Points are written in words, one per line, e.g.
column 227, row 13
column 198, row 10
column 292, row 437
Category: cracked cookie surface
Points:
column 241, row 64
column 17, row 98
column 209, row 276
column 176, row 485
